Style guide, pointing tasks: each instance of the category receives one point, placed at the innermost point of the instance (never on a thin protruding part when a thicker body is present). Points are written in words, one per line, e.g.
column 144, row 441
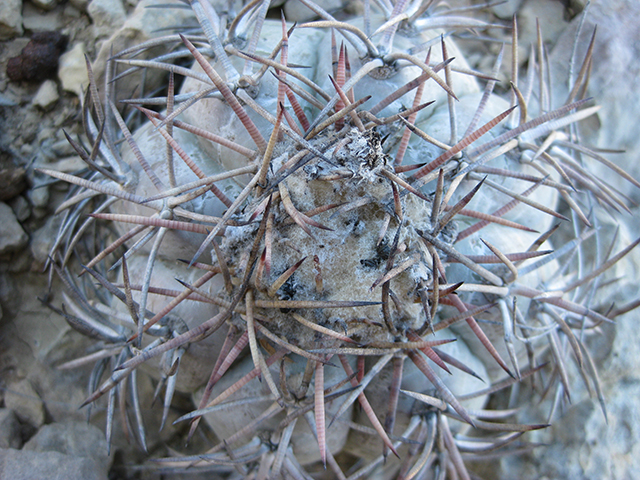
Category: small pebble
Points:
column 73, row 70
column 47, row 95
column 12, row 178
column 12, row 236
column 21, row 208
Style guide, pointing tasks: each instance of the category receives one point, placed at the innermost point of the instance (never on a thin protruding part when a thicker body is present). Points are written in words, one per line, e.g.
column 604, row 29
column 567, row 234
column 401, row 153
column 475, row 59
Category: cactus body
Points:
column 340, row 265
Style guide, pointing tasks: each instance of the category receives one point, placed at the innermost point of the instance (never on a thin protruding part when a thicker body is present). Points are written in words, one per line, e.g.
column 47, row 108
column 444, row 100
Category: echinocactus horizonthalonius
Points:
column 362, row 233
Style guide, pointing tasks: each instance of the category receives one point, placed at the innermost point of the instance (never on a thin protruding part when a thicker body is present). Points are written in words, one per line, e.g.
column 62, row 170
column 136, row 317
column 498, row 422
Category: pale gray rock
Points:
column 29, row 465
column 507, row 9
column 10, row 436
column 67, row 165
column 62, row 148
column 12, row 236
column 142, row 24
column 551, row 14
column 80, row 4
column 6, row 101
column 10, row 18
column 45, row 4
column 34, row 341
column 614, row 81
column 296, row 11
column 72, row 70
column 23, row 399
column 42, row 240
column 582, row 443
column 35, row 19
column 21, row 208
column 39, row 197
column 107, row 15
column 78, row 439
column 46, row 96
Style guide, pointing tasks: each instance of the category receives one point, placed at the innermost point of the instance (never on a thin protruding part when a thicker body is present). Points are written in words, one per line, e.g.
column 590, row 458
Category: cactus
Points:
column 340, row 201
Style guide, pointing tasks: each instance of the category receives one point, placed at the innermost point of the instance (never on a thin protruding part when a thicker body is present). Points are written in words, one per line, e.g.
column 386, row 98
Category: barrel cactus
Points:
column 338, row 240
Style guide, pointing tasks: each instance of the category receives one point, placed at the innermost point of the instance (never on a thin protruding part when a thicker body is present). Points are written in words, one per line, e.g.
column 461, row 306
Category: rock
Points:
column 35, row 20
column 73, row 70
column 107, row 15
column 29, row 465
column 22, row 398
column 12, row 178
column 295, row 11
column 614, row 81
column 67, row 165
column 39, row 197
column 507, row 9
column 10, row 435
column 12, row 236
column 39, row 59
column 80, row 4
column 582, row 443
column 47, row 95
column 42, row 240
column 6, row 101
column 45, row 4
column 62, row 148
column 78, row 439
column 142, row 24
column 21, row 208
column 552, row 13
column 10, row 18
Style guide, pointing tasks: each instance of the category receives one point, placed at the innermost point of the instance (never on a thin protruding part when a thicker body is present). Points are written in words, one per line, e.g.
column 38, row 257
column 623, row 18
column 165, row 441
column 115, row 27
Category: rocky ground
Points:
column 42, row 432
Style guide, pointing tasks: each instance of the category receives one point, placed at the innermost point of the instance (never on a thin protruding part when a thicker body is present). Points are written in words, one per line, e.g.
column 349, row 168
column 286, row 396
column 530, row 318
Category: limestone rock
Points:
column 12, row 178
column 107, row 15
column 47, row 95
column 42, row 240
column 81, row 5
column 22, row 398
column 73, row 70
column 141, row 25
column 78, row 439
column 39, row 197
column 35, row 19
column 10, row 436
column 552, row 13
column 29, row 465
column 45, row 4
column 506, row 9
column 67, row 165
column 21, row 208
column 12, row 236
column 10, row 18
column 614, row 81
column 296, row 11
